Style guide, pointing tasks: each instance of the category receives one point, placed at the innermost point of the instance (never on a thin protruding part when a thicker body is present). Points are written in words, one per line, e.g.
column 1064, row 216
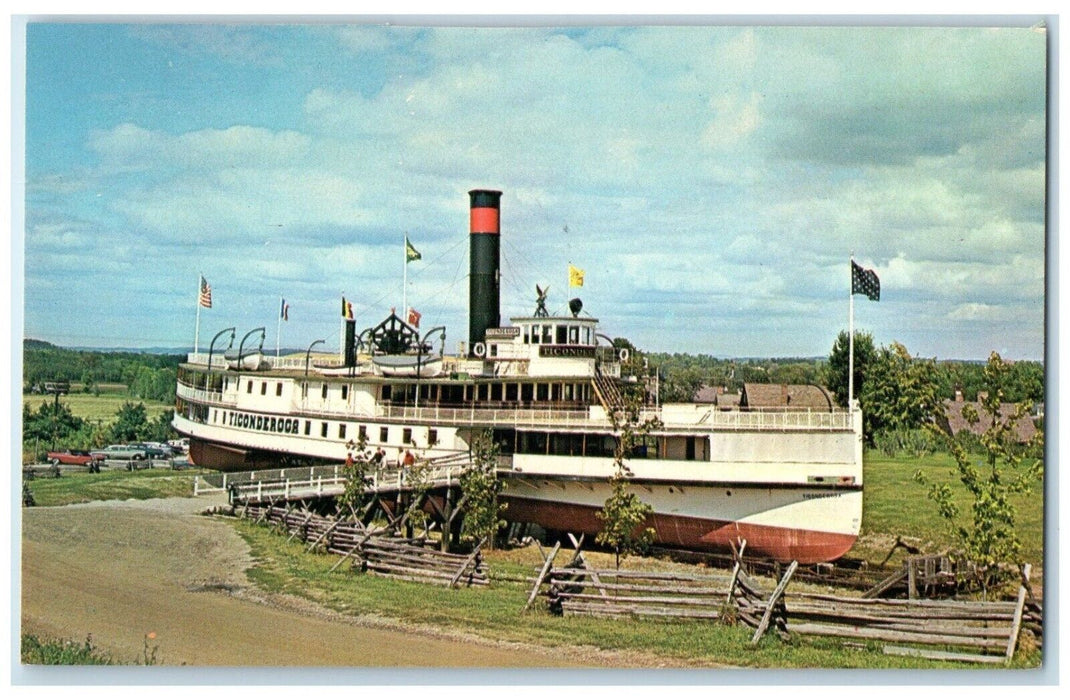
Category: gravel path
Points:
column 127, row 572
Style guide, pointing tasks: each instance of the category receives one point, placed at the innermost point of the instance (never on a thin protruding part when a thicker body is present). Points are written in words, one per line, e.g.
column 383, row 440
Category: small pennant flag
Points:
column 575, row 276
column 284, row 312
column 347, row 309
column 205, row 297
column 410, row 252
column 865, row 281
column 414, row 318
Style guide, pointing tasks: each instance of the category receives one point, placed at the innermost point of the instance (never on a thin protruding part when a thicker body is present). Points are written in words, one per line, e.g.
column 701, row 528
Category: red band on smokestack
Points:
column 484, row 220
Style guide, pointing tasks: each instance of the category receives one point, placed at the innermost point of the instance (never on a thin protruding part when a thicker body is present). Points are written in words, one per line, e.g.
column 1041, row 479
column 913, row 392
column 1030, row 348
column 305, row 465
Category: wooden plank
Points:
column 939, row 655
column 895, row 578
column 1017, row 624
column 467, row 562
column 777, row 592
column 545, row 570
column 896, row 636
column 736, row 570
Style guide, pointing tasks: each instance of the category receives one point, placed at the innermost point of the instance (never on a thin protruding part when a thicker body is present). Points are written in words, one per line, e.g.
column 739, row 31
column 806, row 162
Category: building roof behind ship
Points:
column 716, row 395
column 953, row 421
column 800, row 396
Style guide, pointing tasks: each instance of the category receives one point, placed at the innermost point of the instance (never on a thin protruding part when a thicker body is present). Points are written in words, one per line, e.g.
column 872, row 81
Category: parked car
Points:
column 181, row 444
column 76, row 457
column 126, row 452
column 154, row 450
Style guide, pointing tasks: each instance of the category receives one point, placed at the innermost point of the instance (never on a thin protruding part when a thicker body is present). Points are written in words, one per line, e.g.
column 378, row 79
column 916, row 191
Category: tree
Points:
column 624, row 514
column 988, row 537
column 480, row 489
column 355, row 471
column 131, row 423
column 51, row 423
column 837, row 369
column 899, row 392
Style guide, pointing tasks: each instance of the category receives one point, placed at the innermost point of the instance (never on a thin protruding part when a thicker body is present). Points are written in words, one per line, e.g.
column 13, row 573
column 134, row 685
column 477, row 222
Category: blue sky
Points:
column 711, row 181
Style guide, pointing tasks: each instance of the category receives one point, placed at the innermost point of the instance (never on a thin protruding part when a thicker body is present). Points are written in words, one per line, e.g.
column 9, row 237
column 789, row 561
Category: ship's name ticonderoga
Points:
column 565, row 351
column 267, row 424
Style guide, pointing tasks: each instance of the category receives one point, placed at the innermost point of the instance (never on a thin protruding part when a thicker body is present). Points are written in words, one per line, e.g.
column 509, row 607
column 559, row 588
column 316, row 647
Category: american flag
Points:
column 206, row 294
column 865, row 281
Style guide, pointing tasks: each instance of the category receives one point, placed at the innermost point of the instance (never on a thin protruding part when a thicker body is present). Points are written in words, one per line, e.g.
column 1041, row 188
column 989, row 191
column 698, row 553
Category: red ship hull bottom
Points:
column 779, row 543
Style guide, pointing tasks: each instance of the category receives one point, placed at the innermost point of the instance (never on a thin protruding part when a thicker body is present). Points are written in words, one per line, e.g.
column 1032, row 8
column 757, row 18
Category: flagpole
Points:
column 278, row 333
column 405, row 278
column 851, row 341
column 197, row 330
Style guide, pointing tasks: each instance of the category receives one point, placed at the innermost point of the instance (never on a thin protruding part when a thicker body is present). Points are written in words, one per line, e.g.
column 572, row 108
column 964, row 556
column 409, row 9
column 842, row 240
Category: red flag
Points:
column 414, row 317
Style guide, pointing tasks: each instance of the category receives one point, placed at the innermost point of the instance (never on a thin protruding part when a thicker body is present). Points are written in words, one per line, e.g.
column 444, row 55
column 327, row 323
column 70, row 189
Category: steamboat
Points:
column 546, row 387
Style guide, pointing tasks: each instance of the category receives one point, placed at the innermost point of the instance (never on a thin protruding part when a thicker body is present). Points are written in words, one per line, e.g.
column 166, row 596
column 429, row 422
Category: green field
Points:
column 96, row 409
column 896, row 506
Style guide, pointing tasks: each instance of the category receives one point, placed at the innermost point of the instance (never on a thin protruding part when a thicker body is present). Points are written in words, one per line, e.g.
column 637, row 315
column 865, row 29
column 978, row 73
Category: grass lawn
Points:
column 895, row 505
column 83, row 487
column 495, row 613
column 98, row 408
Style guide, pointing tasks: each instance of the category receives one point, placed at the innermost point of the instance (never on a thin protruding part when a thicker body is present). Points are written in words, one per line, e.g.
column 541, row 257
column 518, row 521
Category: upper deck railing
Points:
column 676, row 417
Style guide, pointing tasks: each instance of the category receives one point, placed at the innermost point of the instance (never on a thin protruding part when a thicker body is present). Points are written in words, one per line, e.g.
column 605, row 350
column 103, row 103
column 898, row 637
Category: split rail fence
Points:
column 375, row 551
column 965, row 631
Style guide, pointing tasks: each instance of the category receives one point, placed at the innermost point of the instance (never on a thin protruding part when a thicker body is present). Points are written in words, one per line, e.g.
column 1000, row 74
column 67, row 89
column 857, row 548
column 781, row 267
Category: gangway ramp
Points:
column 274, row 485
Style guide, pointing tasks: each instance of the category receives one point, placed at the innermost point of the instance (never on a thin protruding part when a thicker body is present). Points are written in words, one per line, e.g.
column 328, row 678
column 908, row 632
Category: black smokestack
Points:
column 484, row 293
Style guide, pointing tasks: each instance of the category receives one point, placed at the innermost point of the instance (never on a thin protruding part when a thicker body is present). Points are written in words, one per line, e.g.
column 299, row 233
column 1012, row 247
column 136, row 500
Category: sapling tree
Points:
column 480, row 489
column 988, row 536
column 624, row 514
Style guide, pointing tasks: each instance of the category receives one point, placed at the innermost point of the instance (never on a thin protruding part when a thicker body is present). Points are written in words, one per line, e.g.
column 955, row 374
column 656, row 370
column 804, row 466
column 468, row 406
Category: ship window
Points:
column 384, row 434
column 362, row 432
column 495, row 392
column 525, row 392
column 249, row 388
column 574, row 335
column 432, row 437
column 547, row 336
column 562, row 335
column 323, row 429
column 341, row 431
column 278, row 388
column 345, row 392
column 494, row 350
column 263, row 388
column 406, row 436
column 542, row 392
column 308, row 427
column 304, row 390
column 690, row 449
column 323, row 394
column 527, row 334
column 215, row 415
column 511, row 392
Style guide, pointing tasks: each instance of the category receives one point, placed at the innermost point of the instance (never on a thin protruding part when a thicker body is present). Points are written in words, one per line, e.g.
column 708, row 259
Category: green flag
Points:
column 410, row 252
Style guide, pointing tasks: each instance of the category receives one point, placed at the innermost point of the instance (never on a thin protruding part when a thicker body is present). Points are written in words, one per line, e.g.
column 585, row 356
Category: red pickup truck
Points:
column 76, row 457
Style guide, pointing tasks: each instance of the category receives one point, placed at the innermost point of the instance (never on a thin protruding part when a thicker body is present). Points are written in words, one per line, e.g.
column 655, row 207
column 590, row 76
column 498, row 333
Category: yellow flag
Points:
column 575, row 276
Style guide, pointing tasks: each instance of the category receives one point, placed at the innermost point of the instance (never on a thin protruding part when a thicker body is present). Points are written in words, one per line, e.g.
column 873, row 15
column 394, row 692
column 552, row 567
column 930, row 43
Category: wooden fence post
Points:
column 777, row 593
column 542, row 575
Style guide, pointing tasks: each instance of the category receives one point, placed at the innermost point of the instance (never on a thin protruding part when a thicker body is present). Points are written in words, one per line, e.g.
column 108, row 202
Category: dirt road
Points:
column 127, row 572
